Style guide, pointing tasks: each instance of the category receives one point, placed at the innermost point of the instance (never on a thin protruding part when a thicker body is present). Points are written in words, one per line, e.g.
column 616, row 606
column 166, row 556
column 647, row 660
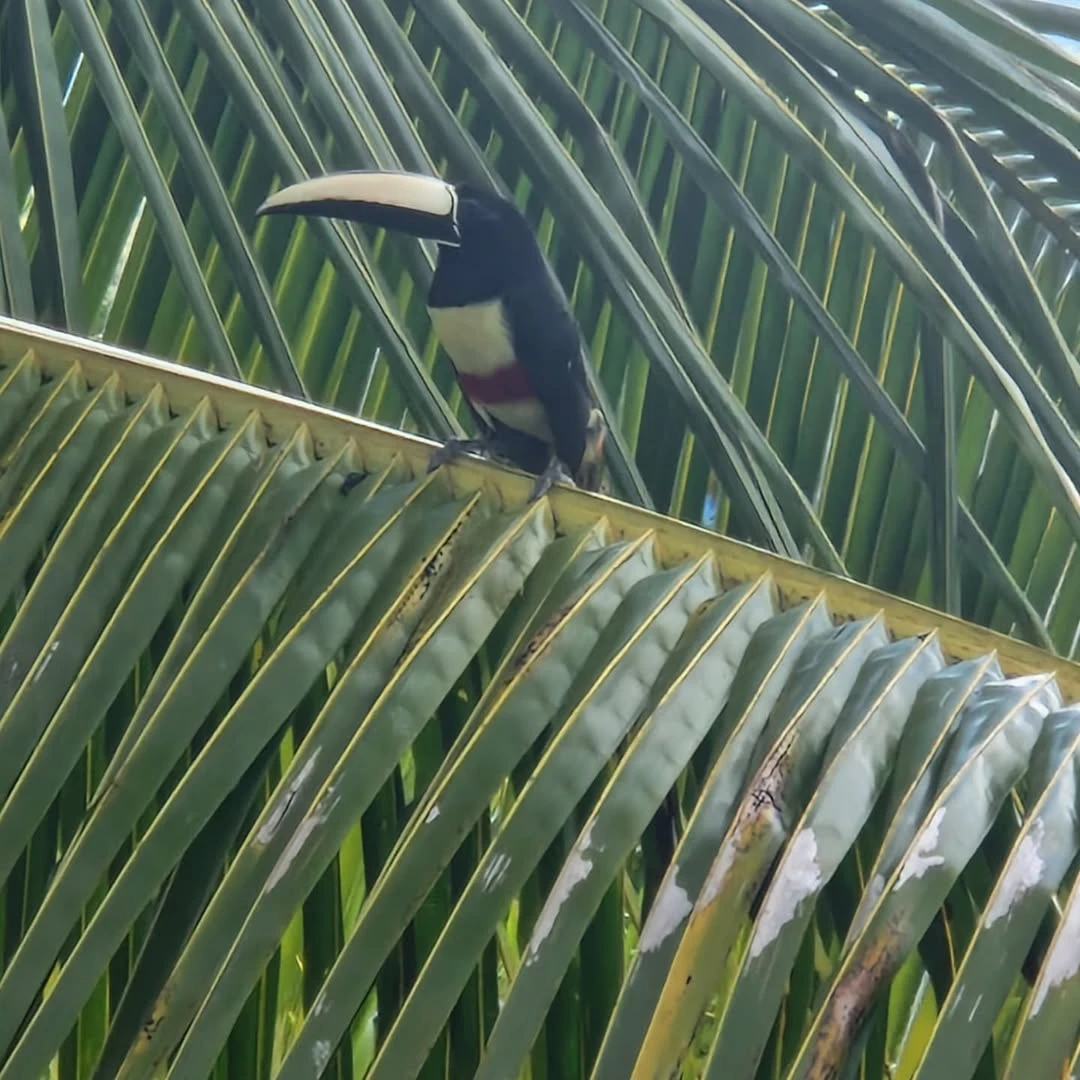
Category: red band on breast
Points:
column 509, row 383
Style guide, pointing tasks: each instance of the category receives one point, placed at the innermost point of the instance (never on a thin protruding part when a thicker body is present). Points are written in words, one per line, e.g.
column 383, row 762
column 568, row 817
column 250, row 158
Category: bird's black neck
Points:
column 490, row 259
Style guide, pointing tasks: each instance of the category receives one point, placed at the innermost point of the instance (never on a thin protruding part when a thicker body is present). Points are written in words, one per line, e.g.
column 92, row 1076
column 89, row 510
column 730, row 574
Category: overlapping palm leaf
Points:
column 424, row 780
column 795, row 317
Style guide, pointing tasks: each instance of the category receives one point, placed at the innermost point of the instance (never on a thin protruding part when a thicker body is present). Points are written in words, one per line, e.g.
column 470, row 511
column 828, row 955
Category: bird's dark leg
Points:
column 452, row 449
column 556, row 472
column 351, row 481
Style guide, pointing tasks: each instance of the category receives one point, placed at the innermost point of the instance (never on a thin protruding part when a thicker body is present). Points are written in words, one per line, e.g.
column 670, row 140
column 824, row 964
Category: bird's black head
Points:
column 485, row 217
column 493, row 246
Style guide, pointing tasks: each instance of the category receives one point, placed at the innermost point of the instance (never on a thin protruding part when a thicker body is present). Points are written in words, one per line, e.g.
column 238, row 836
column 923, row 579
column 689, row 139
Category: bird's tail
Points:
column 592, row 472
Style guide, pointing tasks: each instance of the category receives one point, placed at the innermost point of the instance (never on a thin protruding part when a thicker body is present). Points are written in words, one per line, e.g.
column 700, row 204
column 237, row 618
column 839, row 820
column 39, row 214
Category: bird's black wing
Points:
column 547, row 343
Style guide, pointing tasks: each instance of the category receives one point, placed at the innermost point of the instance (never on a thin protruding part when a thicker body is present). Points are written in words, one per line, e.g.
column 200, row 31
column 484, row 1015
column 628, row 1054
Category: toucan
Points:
column 497, row 309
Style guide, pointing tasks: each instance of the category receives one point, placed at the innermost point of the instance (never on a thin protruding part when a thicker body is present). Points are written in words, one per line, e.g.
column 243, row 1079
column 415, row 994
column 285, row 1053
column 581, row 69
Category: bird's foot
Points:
column 452, row 449
column 555, row 473
column 351, row 481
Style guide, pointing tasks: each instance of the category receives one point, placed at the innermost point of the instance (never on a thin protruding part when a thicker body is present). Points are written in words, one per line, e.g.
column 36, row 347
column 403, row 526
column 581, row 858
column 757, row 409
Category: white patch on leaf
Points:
column 800, row 878
column 1064, row 960
column 1023, row 873
column 320, row 1055
column 922, row 856
column 298, row 842
column 877, row 887
column 495, row 872
column 717, row 873
column 284, row 800
column 669, row 910
column 48, row 659
column 432, row 814
column 575, row 870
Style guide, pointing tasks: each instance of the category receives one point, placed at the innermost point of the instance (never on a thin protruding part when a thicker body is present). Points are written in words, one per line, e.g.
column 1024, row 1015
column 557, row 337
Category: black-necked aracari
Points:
column 497, row 309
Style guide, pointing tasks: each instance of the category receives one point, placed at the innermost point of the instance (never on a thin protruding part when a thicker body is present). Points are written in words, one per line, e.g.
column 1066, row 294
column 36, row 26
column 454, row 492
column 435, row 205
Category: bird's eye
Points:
column 477, row 213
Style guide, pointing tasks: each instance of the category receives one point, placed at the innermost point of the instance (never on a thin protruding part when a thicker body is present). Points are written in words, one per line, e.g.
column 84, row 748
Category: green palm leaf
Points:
column 298, row 652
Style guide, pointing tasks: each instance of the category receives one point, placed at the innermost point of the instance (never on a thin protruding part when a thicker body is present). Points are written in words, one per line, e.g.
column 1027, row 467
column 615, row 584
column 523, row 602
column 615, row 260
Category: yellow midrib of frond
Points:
column 676, row 541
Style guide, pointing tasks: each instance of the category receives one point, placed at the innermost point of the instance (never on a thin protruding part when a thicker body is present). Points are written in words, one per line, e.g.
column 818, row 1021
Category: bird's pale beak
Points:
column 422, row 206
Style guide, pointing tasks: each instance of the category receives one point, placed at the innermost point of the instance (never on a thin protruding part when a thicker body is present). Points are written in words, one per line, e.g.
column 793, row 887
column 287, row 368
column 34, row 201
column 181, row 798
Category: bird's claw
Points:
column 556, row 472
column 351, row 481
column 453, row 449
